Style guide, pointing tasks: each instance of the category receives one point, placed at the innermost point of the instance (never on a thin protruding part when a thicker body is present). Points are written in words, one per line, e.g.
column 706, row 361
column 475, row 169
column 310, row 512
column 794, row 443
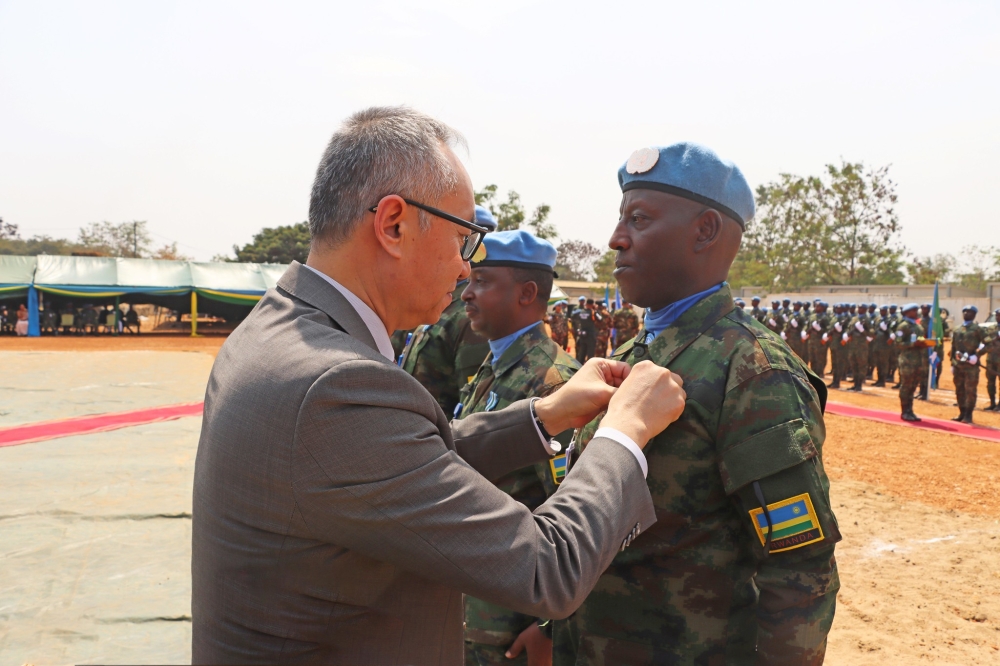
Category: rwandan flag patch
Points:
column 558, row 467
column 793, row 523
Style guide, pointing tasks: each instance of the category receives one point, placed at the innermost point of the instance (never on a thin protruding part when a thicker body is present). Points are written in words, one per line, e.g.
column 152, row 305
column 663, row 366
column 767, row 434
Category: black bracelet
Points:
column 538, row 422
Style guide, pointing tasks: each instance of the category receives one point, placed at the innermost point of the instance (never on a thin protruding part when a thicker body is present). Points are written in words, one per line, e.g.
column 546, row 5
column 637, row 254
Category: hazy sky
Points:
column 208, row 118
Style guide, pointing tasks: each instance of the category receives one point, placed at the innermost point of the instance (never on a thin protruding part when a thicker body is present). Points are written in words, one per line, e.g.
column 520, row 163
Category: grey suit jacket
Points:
column 338, row 517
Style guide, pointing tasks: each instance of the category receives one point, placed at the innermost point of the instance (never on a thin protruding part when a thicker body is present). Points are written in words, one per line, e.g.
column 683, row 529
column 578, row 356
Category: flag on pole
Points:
column 936, row 332
column 618, row 299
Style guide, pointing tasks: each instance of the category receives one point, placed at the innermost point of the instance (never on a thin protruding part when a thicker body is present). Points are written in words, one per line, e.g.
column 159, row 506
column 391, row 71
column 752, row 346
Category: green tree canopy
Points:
column 839, row 228
column 510, row 214
column 276, row 245
column 576, row 260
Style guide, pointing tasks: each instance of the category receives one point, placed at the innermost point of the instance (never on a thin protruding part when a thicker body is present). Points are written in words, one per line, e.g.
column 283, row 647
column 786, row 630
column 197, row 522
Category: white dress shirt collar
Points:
column 372, row 321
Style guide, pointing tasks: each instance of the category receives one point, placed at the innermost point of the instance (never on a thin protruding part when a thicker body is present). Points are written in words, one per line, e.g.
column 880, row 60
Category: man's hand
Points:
column 650, row 399
column 583, row 397
column 539, row 647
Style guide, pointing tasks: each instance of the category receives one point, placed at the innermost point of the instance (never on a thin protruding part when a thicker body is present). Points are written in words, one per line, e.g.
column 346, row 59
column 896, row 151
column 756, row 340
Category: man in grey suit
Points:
column 338, row 516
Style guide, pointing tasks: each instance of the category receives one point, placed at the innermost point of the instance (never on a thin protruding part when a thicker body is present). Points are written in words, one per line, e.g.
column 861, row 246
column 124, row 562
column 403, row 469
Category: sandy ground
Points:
column 94, row 563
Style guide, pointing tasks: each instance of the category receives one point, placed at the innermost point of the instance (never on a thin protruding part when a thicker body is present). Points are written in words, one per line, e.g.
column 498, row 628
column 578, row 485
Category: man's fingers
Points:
column 677, row 378
column 515, row 648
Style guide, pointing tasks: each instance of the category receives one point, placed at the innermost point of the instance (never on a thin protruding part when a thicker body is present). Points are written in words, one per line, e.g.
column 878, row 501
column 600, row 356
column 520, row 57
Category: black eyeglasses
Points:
column 470, row 243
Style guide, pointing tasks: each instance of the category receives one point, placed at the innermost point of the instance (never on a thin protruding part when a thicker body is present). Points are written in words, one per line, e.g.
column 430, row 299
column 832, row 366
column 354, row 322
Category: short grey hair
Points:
column 380, row 151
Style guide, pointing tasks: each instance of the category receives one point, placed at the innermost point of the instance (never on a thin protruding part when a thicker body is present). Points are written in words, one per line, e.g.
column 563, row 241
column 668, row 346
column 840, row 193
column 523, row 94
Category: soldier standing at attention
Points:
column 559, row 325
column 775, row 319
column 857, row 346
column 739, row 567
column 928, row 328
column 626, row 324
column 881, row 345
column 584, row 331
column 786, row 308
column 967, row 343
column 992, row 353
column 740, row 303
column 444, row 356
column 603, row 324
column 894, row 319
column 818, row 340
column 506, row 302
column 912, row 351
column 837, row 340
column 796, row 331
column 756, row 311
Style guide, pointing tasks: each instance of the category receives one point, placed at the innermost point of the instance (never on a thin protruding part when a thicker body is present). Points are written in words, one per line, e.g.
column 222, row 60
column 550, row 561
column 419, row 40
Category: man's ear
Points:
column 708, row 226
column 529, row 292
column 394, row 225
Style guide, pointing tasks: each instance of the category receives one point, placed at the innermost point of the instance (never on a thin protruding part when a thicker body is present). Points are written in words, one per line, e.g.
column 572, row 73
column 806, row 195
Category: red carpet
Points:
column 83, row 425
column 938, row 425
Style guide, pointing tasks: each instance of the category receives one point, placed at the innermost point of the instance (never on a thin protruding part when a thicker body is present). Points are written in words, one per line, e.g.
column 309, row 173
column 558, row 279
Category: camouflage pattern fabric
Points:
column 880, row 349
column 698, row 586
column 966, row 339
column 911, row 361
column 775, row 321
column 533, row 366
column 444, row 356
column 398, row 340
column 838, row 352
column 992, row 352
column 626, row 323
column 819, row 325
column 857, row 347
column 796, row 323
column 603, row 324
column 758, row 313
column 560, row 329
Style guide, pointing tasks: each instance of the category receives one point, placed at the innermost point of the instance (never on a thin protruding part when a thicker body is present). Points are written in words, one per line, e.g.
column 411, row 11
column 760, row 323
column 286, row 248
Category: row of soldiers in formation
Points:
column 594, row 327
column 868, row 341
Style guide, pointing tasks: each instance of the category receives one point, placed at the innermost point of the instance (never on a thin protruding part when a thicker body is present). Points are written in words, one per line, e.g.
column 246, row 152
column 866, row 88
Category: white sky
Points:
column 208, row 118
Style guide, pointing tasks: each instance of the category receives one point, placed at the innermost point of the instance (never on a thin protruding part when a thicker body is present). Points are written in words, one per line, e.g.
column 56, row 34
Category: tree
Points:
column 978, row 266
column 510, row 214
column 125, row 239
column 575, row 260
column 928, row 270
column 38, row 245
column 169, row 251
column 8, row 231
column 605, row 266
column 840, row 228
column 277, row 245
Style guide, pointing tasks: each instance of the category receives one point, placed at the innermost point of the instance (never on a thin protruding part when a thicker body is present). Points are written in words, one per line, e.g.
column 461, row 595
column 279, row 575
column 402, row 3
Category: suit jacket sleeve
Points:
column 372, row 473
column 497, row 443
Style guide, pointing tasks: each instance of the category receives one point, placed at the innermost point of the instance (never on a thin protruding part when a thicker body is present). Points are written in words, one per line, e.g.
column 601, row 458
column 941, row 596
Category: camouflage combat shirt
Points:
column 697, row 587
column 533, row 366
column 444, row 356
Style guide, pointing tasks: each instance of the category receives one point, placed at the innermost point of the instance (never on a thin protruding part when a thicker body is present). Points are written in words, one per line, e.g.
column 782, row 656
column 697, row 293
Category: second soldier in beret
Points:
column 505, row 302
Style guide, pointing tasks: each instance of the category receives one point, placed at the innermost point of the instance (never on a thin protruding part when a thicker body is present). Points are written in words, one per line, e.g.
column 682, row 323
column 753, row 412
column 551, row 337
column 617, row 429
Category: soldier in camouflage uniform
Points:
column 797, row 324
column 559, row 325
column 967, row 343
column 912, row 347
column 506, row 302
column 894, row 319
column 603, row 324
column 398, row 340
column 925, row 324
column 861, row 334
column 775, row 318
column 817, row 339
column 626, row 323
column 756, row 311
column 581, row 322
column 838, row 340
column 881, row 345
column 992, row 353
column 444, row 356
column 739, row 567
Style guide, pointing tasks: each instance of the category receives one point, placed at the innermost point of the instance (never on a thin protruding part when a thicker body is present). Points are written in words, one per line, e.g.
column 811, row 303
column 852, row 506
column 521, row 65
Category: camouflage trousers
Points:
column 966, row 384
column 796, row 344
column 561, row 338
column 992, row 372
column 585, row 346
column 893, row 361
column 838, row 361
column 880, row 361
column 602, row 344
column 909, row 380
column 858, row 357
column 817, row 356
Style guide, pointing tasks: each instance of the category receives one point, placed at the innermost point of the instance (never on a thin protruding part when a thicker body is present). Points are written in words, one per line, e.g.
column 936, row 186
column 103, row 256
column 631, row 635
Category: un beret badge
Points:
column 642, row 160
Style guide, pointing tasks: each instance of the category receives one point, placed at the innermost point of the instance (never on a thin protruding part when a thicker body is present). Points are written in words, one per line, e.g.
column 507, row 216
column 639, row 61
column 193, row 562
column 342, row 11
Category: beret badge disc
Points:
column 642, row 160
column 480, row 254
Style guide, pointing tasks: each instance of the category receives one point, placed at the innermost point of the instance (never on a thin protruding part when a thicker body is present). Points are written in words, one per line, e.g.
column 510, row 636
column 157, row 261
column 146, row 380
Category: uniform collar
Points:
column 694, row 321
column 660, row 319
column 514, row 347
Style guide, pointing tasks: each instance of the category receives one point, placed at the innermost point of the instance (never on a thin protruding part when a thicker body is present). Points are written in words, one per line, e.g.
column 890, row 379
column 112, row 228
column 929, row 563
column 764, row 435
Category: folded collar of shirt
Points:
column 498, row 347
column 657, row 321
column 368, row 316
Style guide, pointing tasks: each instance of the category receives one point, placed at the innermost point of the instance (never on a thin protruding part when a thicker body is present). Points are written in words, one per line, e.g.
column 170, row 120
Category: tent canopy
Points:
column 16, row 271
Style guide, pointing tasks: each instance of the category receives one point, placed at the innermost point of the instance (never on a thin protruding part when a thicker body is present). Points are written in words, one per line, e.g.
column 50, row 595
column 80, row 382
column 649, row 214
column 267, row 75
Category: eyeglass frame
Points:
column 451, row 218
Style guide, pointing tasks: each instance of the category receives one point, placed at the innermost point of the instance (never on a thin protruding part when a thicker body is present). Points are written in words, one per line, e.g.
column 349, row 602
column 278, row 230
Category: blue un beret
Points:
column 971, row 307
column 693, row 172
column 484, row 218
column 517, row 249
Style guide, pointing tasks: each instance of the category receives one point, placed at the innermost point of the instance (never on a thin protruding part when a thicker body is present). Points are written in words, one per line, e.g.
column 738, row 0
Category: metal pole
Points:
column 194, row 314
column 117, row 313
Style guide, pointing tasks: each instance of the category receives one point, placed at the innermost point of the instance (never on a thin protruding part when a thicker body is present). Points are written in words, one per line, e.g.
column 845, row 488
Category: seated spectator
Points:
column 21, row 328
column 132, row 320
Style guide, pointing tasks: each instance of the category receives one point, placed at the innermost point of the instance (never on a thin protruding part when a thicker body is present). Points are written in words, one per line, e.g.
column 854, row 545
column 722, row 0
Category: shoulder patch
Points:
column 558, row 467
column 794, row 523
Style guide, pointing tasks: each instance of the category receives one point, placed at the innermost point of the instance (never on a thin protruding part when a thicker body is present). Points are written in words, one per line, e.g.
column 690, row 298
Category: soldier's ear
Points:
column 709, row 229
column 528, row 293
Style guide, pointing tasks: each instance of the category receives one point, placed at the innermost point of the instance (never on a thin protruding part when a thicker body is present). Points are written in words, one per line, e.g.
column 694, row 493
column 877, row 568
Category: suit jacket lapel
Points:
column 305, row 285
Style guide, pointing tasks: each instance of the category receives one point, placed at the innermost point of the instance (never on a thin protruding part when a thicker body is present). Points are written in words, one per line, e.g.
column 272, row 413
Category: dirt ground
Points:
column 919, row 511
